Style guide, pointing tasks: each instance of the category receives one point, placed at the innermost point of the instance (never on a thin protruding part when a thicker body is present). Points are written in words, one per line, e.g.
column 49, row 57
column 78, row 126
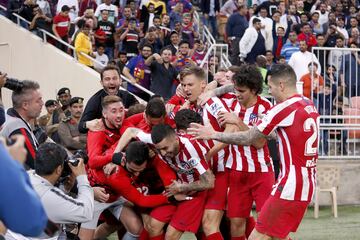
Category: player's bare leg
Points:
column 237, row 227
column 154, row 227
column 255, row 235
column 105, row 229
column 211, row 221
column 86, row 234
column 172, row 233
column 131, row 222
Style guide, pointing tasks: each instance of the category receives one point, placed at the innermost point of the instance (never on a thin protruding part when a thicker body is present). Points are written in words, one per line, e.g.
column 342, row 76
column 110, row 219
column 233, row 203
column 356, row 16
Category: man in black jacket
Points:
column 111, row 81
column 27, row 104
column 210, row 9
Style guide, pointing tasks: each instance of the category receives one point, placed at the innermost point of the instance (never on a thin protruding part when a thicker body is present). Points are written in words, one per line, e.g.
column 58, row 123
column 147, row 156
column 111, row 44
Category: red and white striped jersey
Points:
column 209, row 113
column 190, row 162
column 296, row 122
column 248, row 158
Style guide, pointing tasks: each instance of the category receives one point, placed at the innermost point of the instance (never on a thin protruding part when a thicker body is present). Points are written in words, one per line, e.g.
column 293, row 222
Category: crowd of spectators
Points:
column 151, row 43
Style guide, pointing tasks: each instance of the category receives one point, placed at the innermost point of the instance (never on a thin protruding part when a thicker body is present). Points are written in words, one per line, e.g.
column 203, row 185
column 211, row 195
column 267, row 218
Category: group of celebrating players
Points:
column 182, row 170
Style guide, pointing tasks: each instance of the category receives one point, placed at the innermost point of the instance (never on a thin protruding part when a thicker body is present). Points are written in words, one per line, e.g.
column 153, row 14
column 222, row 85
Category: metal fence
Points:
column 336, row 94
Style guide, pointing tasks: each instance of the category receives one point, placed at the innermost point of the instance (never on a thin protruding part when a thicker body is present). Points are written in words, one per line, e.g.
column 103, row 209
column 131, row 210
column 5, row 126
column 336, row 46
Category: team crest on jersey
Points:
column 253, row 119
column 215, row 109
column 188, row 166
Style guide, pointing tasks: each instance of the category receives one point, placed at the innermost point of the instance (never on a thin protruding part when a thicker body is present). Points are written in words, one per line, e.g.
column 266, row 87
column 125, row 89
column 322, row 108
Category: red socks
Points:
column 144, row 235
column 215, row 236
column 250, row 225
column 160, row 237
column 238, row 238
column 201, row 236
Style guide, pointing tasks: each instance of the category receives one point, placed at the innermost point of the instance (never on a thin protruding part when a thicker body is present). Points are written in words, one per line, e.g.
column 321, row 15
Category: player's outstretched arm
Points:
column 204, row 97
column 205, row 182
column 246, row 138
column 127, row 136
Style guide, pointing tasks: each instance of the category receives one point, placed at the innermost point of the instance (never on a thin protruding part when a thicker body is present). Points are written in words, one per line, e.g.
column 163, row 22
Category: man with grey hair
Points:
column 27, row 104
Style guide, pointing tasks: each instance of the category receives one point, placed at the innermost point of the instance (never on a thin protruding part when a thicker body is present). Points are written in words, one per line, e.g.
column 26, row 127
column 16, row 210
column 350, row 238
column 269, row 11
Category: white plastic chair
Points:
column 327, row 181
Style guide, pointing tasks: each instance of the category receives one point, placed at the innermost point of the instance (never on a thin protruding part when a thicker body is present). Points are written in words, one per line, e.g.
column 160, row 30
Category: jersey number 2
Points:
column 311, row 125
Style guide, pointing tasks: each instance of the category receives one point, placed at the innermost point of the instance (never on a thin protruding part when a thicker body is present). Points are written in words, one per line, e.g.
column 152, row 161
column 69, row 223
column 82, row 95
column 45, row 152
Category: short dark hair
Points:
column 313, row 63
column 146, row 44
column 161, row 131
column 157, row 16
column 255, row 20
column 137, row 153
column 110, row 99
column 21, row 95
column 48, row 157
column 282, row 71
column 339, row 37
column 184, row 117
column 108, row 68
column 305, row 24
column 166, row 48
column 135, row 109
column 249, row 76
column 157, row 96
column 184, row 42
column 155, row 108
column 81, row 23
column 65, row 8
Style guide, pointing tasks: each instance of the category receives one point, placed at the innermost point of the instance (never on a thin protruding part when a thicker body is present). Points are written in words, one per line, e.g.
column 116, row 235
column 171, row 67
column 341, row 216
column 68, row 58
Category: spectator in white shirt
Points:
column 266, row 27
column 323, row 13
column 299, row 60
column 113, row 11
column 101, row 57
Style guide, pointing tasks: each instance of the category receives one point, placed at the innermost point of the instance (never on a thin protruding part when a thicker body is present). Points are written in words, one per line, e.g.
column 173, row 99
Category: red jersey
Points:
column 139, row 121
column 296, row 122
column 100, row 151
column 62, row 25
column 190, row 162
column 309, row 38
column 176, row 100
column 248, row 158
column 124, row 184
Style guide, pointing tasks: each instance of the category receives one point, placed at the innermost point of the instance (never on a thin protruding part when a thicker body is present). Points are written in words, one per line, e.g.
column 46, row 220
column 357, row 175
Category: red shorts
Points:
column 216, row 197
column 185, row 216
column 279, row 217
column 245, row 188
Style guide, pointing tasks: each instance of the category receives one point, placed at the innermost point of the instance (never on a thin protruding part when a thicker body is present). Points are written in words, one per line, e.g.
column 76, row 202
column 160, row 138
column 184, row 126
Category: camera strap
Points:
column 15, row 114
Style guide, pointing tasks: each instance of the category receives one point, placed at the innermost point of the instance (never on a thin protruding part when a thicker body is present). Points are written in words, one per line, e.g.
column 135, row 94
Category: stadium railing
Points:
column 22, row 22
column 337, row 100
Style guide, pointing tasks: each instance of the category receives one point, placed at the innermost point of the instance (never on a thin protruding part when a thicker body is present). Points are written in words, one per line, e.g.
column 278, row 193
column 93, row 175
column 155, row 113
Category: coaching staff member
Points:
column 111, row 81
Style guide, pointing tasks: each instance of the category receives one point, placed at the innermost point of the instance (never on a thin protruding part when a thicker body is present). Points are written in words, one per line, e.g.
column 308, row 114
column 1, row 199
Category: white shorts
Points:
column 115, row 208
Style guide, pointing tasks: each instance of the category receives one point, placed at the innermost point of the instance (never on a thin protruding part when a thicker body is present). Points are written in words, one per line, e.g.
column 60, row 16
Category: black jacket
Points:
column 93, row 109
column 205, row 6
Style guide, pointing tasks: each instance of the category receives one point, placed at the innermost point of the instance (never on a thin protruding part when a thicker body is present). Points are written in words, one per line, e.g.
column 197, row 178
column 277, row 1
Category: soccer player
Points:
column 155, row 113
column 251, row 174
column 184, row 117
column 100, row 159
column 296, row 122
column 193, row 83
column 187, row 158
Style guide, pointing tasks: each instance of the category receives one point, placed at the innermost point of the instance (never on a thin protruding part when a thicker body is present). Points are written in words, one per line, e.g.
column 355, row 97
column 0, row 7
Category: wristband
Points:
column 172, row 199
column 84, row 125
column 116, row 158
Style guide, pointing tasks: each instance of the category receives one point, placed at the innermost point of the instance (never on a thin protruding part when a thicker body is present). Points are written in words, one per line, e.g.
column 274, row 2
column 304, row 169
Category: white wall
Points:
column 24, row 56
